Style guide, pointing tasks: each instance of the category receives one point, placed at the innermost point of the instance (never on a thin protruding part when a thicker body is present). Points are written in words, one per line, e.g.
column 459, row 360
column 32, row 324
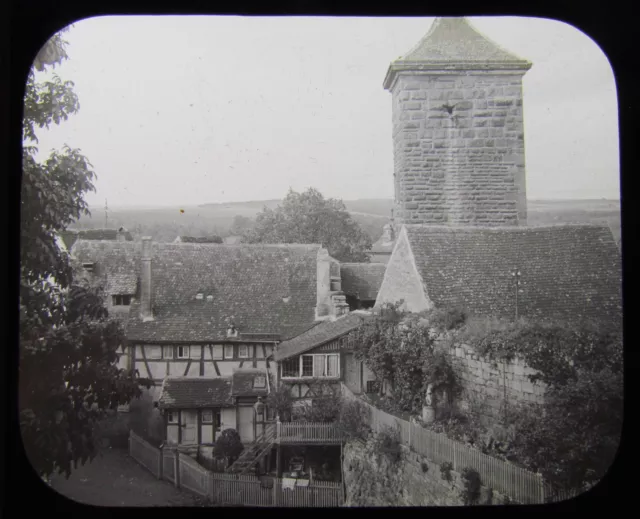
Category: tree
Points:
column 573, row 437
column 241, row 224
column 228, row 446
column 310, row 218
column 68, row 374
column 281, row 401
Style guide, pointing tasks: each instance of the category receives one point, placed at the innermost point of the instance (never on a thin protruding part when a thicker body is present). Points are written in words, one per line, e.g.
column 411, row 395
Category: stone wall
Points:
column 487, row 386
column 372, row 480
column 459, row 150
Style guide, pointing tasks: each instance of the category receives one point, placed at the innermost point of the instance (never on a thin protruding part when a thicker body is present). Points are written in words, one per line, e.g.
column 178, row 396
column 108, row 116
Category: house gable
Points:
column 402, row 281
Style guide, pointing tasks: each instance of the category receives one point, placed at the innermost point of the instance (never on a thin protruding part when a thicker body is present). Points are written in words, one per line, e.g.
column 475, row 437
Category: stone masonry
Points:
column 458, row 131
column 488, row 387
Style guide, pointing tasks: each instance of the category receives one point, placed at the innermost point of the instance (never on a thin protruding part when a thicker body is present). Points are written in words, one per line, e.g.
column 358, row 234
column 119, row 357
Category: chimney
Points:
column 331, row 302
column 120, row 236
column 145, row 285
column 323, row 304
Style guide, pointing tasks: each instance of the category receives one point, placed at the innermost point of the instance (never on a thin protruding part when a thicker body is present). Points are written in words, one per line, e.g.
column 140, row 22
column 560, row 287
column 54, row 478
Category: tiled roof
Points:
column 454, row 44
column 570, row 272
column 242, row 382
column 318, row 335
column 125, row 283
column 269, row 289
column 362, row 279
column 195, row 392
column 70, row 236
column 455, row 39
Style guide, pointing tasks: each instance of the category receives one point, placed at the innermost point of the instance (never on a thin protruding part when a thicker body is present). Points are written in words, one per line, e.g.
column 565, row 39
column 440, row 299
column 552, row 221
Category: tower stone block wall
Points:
column 459, row 148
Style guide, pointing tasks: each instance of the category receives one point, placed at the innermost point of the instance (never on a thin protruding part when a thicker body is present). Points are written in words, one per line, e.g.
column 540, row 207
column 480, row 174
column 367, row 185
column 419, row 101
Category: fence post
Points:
column 541, row 495
column 161, row 464
column 176, row 469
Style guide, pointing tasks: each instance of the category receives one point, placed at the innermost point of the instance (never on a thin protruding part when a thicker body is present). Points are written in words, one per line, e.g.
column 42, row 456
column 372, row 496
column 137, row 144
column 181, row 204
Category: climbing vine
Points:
column 571, row 438
column 401, row 349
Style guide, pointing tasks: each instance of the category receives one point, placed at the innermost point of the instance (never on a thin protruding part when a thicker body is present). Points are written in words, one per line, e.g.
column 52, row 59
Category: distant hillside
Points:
column 164, row 224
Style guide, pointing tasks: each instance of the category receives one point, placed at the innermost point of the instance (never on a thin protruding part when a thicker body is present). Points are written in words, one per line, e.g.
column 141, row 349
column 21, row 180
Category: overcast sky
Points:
column 189, row 110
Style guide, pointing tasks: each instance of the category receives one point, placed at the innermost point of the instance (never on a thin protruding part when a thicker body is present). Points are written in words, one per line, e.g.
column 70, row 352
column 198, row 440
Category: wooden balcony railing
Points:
column 308, row 432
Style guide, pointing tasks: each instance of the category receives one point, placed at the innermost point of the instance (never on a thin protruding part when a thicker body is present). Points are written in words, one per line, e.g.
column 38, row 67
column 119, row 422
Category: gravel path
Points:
column 115, row 479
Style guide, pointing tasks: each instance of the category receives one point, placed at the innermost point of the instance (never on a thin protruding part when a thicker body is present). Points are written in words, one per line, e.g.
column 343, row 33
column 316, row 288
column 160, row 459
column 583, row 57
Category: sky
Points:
column 184, row 110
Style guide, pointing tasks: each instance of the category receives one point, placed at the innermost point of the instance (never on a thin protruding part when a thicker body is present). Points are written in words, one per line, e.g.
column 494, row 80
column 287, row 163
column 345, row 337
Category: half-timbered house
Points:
column 211, row 311
column 320, row 354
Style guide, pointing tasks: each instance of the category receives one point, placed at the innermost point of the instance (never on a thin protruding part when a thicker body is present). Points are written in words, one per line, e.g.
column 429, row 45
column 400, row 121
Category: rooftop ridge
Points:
column 528, row 228
column 351, row 263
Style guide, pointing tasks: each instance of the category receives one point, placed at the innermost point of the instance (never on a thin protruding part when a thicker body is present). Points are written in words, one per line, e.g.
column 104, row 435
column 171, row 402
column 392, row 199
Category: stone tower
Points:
column 458, row 131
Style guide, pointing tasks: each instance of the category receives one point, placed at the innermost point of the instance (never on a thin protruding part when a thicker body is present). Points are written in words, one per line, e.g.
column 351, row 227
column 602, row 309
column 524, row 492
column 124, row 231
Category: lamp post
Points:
column 516, row 282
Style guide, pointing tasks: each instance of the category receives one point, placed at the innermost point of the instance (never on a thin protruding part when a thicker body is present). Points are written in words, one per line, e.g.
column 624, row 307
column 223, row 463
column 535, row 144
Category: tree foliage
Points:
column 281, row 401
column 310, row 218
column 400, row 348
column 229, row 445
column 573, row 437
column 68, row 374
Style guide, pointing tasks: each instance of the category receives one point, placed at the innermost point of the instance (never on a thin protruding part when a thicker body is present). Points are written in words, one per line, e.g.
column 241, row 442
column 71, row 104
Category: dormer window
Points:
column 121, row 300
column 88, row 266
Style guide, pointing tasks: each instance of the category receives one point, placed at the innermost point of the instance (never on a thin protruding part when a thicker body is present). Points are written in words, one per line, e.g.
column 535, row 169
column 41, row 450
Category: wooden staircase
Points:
column 258, row 450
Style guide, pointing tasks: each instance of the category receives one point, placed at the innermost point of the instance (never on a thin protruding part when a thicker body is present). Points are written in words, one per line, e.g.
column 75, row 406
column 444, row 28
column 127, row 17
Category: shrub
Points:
column 229, row 445
column 282, row 402
column 472, row 484
column 387, row 443
column 353, row 420
column 446, row 319
column 445, row 471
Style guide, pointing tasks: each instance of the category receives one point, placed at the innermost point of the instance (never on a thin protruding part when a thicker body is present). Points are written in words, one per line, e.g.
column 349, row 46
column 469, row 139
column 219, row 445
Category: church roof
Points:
column 454, row 44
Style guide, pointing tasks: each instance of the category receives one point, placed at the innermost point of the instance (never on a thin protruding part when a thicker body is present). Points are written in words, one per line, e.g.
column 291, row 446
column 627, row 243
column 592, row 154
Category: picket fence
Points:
column 519, row 484
column 230, row 489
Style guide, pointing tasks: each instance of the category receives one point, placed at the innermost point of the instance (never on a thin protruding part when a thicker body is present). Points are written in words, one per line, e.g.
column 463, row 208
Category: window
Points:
column 207, row 416
column 243, row 351
column 373, row 386
column 307, row 366
column 291, row 367
column 332, row 366
column 168, row 352
column 319, row 366
column 88, row 266
column 121, row 300
column 172, row 417
column 183, row 352
column 217, row 419
column 228, row 351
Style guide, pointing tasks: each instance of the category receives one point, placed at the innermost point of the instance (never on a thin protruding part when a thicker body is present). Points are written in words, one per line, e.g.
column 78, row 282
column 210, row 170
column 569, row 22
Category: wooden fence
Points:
column 308, row 432
column 147, row 455
column 519, row 484
column 230, row 489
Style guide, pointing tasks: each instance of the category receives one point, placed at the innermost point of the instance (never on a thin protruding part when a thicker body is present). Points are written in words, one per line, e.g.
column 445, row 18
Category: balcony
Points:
column 308, row 433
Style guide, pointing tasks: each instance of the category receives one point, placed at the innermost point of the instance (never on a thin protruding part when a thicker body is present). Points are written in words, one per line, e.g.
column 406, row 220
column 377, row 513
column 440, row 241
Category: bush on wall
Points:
column 401, row 349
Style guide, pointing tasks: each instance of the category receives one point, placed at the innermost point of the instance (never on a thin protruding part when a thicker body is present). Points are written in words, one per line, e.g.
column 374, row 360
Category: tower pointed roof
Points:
column 454, row 44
